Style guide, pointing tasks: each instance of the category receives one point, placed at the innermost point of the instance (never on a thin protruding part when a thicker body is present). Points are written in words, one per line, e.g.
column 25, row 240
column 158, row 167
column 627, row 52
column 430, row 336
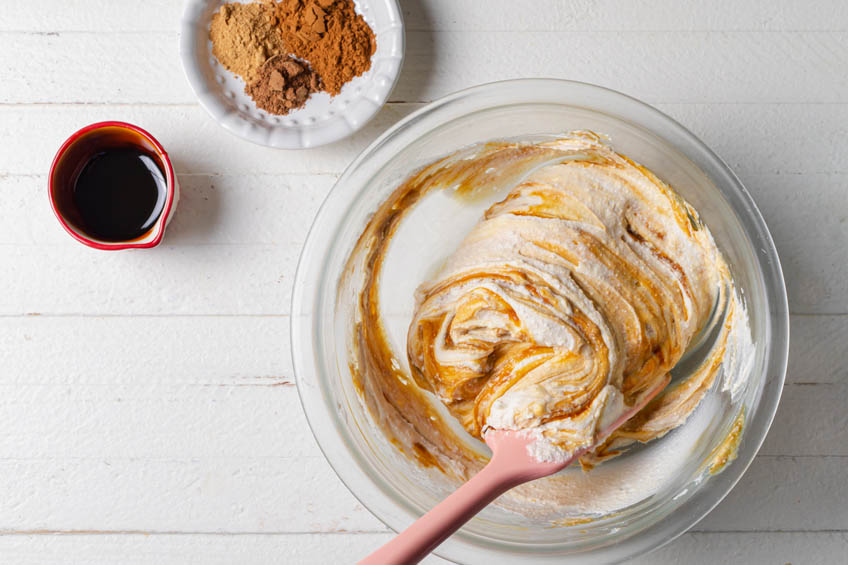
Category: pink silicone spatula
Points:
column 511, row 465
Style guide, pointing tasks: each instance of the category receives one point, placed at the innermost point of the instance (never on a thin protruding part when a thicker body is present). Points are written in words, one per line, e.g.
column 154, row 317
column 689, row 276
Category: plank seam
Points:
column 47, row 532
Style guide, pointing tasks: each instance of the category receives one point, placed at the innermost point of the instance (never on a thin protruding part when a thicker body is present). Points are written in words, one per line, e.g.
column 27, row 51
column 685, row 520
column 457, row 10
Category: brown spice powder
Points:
column 283, row 84
column 244, row 36
column 330, row 35
column 256, row 41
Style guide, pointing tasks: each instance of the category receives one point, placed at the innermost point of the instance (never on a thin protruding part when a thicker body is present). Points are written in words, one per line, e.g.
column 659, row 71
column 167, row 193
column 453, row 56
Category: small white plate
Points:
column 323, row 119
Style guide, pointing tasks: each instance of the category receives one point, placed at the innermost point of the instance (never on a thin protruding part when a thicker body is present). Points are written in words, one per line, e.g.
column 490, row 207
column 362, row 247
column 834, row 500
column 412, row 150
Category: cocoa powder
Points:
column 330, row 35
column 283, row 84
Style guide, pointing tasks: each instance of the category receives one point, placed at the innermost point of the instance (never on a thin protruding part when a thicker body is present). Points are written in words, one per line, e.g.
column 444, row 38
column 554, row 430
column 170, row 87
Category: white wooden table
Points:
column 147, row 402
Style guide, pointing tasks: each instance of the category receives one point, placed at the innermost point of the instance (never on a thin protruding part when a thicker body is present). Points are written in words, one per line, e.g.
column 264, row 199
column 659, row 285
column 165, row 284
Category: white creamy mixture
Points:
column 565, row 306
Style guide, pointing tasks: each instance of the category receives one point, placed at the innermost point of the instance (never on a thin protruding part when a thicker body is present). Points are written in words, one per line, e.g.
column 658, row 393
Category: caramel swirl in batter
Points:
column 572, row 298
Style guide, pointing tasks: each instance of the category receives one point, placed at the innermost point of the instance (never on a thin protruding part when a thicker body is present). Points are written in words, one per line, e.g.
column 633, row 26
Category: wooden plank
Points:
column 239, row 494
column 141, row 446
column 110, row 411
column 817, row 352
column 194, row 549
column 193, row 280
column 195, row 142
column 623, row 15
column 201, row 350
column 245, row 420
column 779, row 548
column 305, row 549
column 756, row 139
column 250, row 209
column 52, row 16
column 500, row 15
column 761, row 67
column 811, row 420
column 121, row 67
column 665, row 67
column 140, row 352
column 302, row 495
column 752, row 139
column 807, row 216
column 215, row 262
column 785, row 494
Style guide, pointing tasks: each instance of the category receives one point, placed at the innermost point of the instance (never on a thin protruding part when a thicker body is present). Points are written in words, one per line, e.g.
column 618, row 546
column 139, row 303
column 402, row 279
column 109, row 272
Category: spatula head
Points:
column 511, row 454
column 510, row 447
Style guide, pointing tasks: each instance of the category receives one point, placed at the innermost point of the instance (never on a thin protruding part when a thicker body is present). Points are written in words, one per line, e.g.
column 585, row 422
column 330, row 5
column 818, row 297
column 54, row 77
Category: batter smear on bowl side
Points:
column 568, row 301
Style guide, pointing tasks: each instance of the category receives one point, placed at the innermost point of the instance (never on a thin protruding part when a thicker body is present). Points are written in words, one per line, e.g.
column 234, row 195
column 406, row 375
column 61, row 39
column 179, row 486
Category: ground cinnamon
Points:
column 330, row 35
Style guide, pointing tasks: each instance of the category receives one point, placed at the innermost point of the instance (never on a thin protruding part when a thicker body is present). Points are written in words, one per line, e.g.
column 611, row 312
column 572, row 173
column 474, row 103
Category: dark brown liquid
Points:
column 119, row 193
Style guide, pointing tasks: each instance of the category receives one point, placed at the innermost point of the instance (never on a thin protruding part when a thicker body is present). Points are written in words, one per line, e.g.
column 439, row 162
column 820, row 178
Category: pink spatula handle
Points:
column 511, row 465
column 505, row 470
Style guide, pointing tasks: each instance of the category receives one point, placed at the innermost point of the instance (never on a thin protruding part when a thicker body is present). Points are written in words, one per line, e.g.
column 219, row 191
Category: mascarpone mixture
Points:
column 569, row 301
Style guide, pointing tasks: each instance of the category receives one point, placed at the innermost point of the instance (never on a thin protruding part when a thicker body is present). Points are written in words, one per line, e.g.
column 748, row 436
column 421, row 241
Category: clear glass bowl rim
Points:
column 320, row 414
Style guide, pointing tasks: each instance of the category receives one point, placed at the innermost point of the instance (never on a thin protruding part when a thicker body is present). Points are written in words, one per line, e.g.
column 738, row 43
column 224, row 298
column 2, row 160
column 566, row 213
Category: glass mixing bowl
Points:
column 398, row 490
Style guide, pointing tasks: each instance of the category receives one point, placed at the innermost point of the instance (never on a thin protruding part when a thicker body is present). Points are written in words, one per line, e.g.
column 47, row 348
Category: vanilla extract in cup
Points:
column 112, row 186
column 120, row 193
